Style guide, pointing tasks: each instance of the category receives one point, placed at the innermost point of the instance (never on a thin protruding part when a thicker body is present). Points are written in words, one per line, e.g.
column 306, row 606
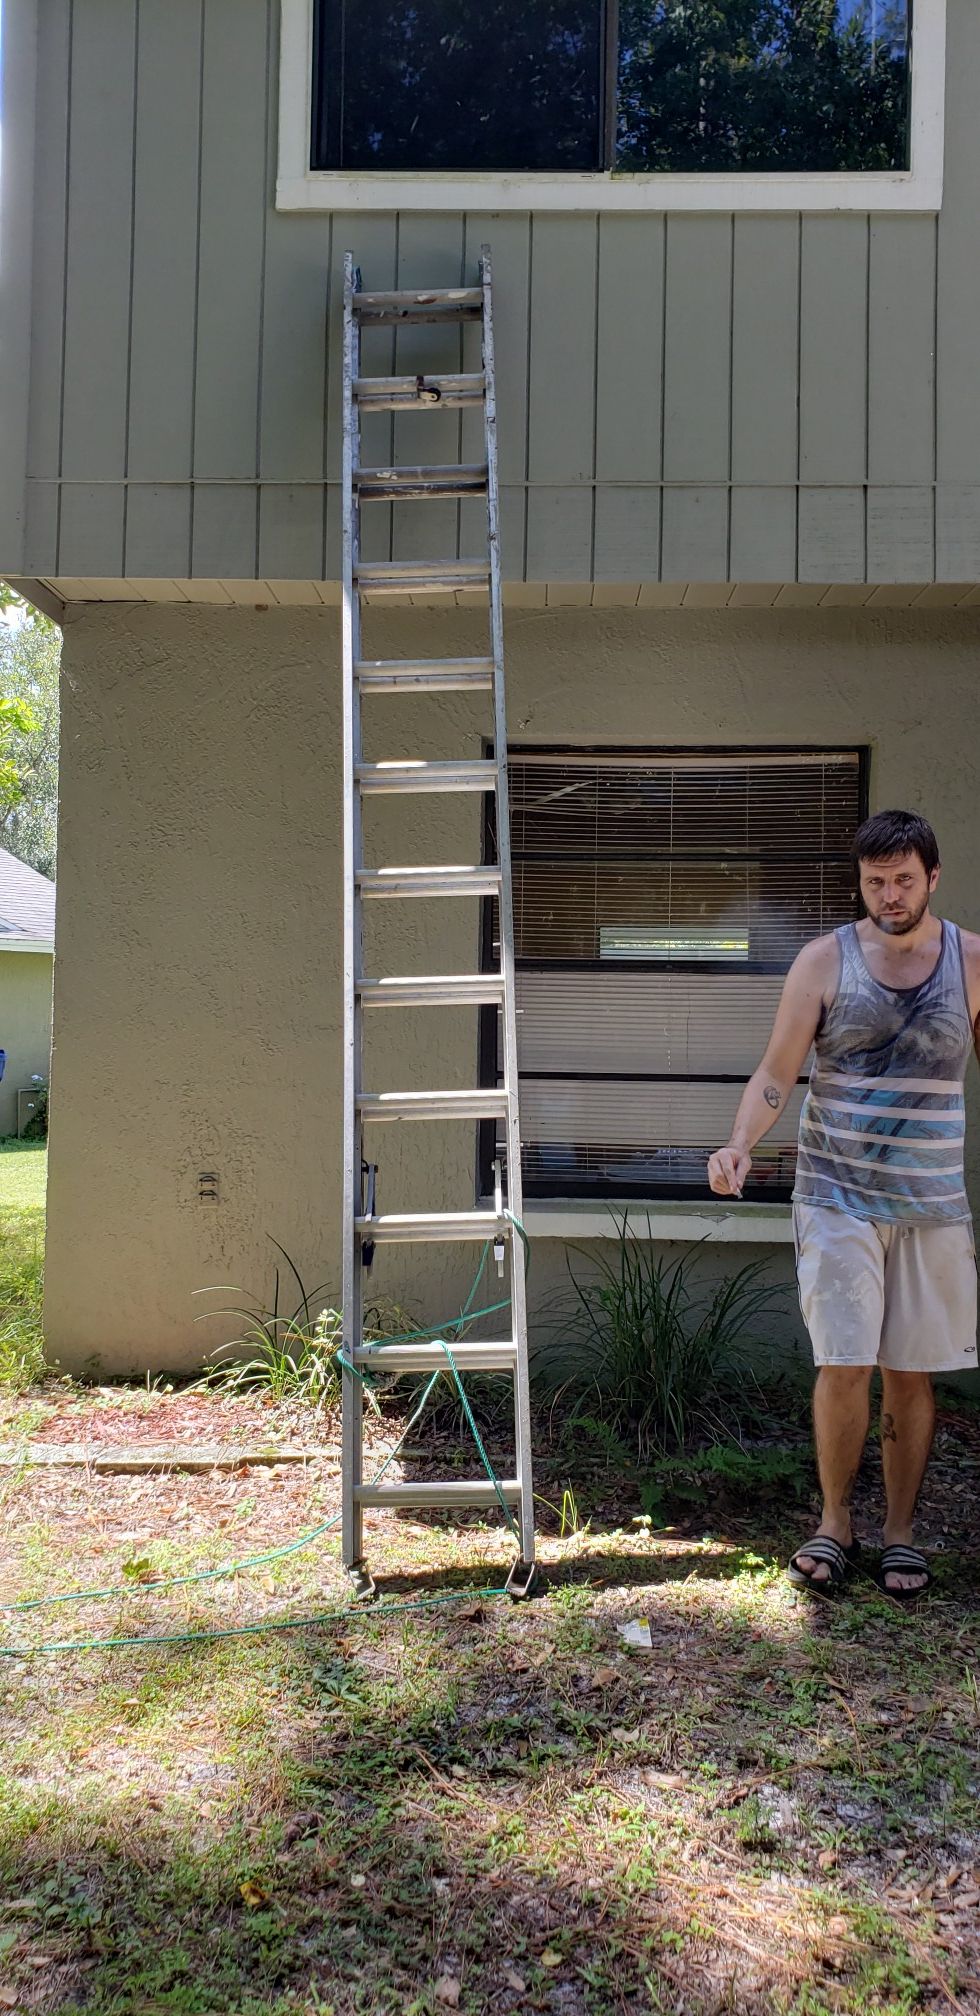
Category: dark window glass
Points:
column 763, row 84
column 633, row 85
column 454, row 84
column 659, row 898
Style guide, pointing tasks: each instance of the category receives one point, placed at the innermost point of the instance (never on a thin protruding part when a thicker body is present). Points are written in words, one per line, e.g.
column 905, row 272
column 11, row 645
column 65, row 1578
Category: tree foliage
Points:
column 30, row 654
column 762, row 84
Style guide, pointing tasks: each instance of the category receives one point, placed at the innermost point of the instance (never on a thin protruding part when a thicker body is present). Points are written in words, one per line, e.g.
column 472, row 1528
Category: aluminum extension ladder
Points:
column 363, row 1228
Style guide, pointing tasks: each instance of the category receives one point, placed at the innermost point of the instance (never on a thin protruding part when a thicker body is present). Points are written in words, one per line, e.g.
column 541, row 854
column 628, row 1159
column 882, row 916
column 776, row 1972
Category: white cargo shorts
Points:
column 878, row 1293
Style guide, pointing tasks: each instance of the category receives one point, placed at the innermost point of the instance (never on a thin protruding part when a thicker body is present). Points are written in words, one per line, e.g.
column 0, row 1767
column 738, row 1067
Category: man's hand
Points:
column 728, row 1169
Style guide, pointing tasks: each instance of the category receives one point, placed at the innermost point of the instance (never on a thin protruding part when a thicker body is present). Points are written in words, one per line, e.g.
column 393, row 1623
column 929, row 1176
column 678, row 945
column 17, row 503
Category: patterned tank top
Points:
column 882, row 1126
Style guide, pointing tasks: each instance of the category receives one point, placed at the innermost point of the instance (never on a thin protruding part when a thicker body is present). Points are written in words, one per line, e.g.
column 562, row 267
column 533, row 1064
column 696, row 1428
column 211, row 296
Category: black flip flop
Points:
column 823, row 1547
column 900, row 1560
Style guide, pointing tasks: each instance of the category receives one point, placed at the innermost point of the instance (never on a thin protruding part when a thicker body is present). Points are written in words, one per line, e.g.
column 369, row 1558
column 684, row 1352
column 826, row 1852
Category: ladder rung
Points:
column 425, row 675
column 432, row 1227
column 445, row 990
column 428, row 881
column 434, row 304
column 486, row 1102
column 452, row 480
column 393, row 395
column 478, row 775
column 421, row 577
column 432, row 1358
column 478, row 1492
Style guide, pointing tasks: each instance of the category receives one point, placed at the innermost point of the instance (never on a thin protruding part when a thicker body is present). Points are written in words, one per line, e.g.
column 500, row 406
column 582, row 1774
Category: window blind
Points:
column 659, row 898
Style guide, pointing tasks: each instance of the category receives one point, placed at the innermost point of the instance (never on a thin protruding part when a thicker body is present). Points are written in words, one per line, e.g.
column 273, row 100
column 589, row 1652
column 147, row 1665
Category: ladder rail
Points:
column 352, row 1452
column 361, row 581
column 522, row 1398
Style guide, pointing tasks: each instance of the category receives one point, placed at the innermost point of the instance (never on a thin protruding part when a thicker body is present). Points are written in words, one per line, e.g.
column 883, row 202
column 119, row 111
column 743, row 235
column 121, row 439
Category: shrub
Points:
column 654, row 1350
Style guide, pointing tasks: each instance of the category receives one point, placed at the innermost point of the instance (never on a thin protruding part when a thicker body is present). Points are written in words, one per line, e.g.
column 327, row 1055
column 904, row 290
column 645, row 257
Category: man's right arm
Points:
column 810, row 982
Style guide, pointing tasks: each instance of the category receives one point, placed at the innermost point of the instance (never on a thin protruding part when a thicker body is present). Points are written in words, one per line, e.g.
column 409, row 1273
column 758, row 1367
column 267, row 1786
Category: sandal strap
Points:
column 824, row 1548
column 899, row 1559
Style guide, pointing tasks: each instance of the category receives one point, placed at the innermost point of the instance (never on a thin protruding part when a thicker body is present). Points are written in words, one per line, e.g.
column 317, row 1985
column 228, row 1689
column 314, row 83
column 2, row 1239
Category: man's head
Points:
column 896, row 859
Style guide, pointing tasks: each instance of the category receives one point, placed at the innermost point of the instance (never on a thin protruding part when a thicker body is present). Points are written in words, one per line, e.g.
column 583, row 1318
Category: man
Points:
column 884, row 1239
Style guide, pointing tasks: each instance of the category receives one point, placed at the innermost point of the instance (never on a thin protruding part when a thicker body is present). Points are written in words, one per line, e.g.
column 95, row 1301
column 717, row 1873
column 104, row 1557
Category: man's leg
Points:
column 840, row 1421
column 908, row 1422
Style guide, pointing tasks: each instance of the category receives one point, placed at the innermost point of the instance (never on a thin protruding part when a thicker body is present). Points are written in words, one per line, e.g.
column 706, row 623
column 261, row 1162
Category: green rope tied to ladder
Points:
column 467, row 1316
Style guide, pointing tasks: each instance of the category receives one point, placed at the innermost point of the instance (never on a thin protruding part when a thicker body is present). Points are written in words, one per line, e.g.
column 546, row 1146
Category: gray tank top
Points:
column 882, row 1126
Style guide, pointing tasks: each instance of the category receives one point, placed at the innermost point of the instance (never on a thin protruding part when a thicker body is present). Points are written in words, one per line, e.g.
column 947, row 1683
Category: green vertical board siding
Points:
column 901, row 534
column 698, row 350
column 630, row 339
column 627, row 533
column 50, row 223
column 293, row 361
column 92, row 517
column 98, row 266
column 665, row 384
column 958, row 281
column 168, row 107
column 158, row 531
column 236, row 104
column 763, row 534
column 559, row 534
column 695, row 535
column 18, row 78
column 765, row 351
column 832, row 544
column 562, row 393
column 833, row 350
column 901, row 327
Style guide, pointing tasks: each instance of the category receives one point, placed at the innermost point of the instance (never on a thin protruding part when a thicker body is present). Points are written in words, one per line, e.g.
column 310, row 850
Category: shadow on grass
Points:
column 494, row 1810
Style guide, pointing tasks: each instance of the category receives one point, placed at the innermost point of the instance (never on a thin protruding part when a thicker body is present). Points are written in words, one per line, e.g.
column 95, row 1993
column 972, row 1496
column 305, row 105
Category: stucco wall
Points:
column 25, row 1026
column 197, row 1000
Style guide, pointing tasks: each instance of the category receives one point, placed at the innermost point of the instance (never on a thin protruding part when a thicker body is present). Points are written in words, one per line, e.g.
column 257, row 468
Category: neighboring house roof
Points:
column 26, row 907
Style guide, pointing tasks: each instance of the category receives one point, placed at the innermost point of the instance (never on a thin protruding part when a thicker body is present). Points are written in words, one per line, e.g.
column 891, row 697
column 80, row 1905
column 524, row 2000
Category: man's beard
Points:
column 899, row 927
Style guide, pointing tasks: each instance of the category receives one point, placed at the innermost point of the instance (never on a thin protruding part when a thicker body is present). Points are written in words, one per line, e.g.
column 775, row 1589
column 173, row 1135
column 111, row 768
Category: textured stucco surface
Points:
column 25, row 1026
column 197, row 998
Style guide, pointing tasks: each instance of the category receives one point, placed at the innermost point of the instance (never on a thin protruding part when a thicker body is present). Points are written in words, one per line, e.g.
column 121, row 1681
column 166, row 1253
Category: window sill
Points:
column 713, row 1222
column 920, row 190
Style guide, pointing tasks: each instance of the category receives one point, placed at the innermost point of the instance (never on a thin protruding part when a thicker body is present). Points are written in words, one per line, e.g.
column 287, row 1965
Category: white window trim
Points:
column 920, row 188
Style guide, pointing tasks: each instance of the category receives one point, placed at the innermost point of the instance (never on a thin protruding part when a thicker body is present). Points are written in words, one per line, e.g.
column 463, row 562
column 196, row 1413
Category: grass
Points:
column 479, row 1806
column 23, row 1175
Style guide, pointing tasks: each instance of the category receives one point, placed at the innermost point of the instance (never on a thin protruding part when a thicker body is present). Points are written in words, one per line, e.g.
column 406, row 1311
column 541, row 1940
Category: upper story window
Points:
column 628, row 86
column 628, row 105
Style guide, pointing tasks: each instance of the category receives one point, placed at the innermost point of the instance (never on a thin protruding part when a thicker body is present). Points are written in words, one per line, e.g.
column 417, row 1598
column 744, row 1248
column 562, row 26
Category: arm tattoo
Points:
column 772, row 1096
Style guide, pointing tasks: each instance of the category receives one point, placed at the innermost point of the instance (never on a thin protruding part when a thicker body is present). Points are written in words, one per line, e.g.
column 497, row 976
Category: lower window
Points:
column 659, row 898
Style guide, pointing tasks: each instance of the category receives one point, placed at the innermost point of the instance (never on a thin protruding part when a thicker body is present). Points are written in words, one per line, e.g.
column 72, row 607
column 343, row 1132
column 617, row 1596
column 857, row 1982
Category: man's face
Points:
column 896, row 892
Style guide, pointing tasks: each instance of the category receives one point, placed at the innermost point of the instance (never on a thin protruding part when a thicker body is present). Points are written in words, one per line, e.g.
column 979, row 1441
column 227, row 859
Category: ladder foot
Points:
column 525, row 1580
column 362, row 1582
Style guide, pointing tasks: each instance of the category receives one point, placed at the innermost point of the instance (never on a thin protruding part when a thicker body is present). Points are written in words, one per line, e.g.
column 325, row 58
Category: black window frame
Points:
column 598, row 1188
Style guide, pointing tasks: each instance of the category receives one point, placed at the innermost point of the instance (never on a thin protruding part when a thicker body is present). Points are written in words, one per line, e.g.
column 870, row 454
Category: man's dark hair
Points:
column 887, row 833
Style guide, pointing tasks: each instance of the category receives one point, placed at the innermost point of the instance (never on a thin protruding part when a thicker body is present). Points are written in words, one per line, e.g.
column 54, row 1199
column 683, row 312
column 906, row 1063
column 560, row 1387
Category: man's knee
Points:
column 843, row 1380
column 899, row 1387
